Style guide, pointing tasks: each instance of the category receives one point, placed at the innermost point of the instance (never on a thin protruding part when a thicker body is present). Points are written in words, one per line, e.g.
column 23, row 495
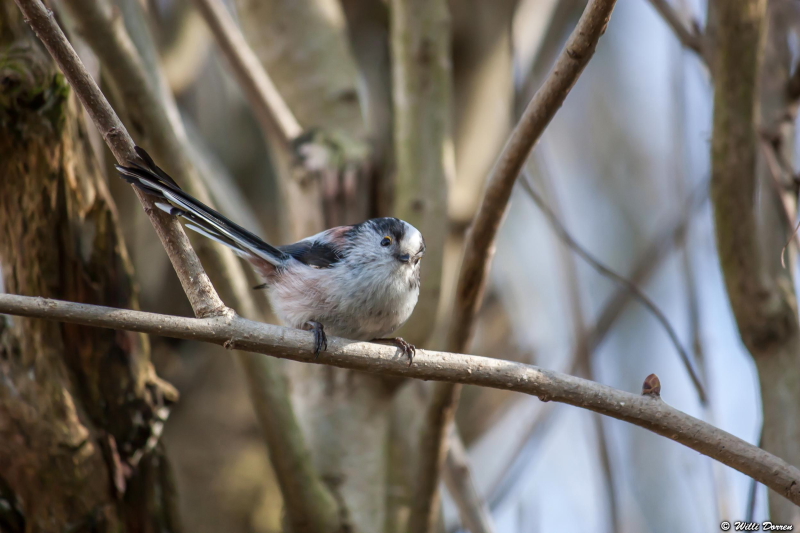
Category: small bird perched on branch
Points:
column 360, row 282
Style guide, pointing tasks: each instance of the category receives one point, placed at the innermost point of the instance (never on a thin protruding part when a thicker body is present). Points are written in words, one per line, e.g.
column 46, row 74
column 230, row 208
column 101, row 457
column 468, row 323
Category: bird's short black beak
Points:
column 405, row 258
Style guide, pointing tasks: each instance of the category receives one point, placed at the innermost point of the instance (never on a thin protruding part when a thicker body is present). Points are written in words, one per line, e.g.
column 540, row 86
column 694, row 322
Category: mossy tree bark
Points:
column 80, row 408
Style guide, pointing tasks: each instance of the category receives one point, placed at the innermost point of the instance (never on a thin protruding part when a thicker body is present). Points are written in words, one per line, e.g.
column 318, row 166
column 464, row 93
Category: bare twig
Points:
column 472, row 508
column 234, row 332
column 439, row 415
column 130, row 61
column 688, row 34
column 635, row 291
column 310, row 506
column 479, row 244
column 268, row 104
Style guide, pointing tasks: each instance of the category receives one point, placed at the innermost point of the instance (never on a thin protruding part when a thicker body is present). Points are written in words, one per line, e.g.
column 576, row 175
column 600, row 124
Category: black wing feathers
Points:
column 314, row 253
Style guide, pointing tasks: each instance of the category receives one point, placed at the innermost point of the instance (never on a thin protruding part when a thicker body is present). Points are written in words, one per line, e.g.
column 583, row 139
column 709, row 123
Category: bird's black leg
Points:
column 320, row 340
column 408, row 349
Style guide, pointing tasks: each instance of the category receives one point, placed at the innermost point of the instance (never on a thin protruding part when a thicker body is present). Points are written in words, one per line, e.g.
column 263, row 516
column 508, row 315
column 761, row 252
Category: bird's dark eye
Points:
column 386, row 241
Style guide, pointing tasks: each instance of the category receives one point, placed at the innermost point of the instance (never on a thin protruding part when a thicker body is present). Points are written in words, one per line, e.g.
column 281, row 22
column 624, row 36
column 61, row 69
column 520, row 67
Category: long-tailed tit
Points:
column 360, row 282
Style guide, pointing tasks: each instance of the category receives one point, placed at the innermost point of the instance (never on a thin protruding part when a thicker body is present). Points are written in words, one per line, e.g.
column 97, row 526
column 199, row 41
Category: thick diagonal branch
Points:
column 480, row 241
column 479, row 247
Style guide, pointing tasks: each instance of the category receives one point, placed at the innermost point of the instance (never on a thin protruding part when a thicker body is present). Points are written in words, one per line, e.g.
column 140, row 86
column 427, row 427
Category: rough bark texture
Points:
column 201, row 294
column 750, row 232
column 80, row 408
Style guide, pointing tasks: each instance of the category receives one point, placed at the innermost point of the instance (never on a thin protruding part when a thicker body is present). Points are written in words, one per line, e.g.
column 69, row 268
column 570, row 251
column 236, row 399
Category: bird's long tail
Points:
column 201, row 218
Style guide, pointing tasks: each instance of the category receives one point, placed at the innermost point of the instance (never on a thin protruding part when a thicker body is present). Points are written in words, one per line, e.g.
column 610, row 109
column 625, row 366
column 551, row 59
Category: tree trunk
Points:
column 779, row 364
column 750, row 94
column 81, row 408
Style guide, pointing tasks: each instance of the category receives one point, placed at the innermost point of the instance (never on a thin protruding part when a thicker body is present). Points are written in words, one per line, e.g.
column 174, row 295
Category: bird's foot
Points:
column 408, row 349
column 320, row 339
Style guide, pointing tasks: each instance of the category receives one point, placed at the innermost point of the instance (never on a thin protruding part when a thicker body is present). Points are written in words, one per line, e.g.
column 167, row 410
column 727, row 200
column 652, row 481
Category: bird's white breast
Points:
column 359, row 302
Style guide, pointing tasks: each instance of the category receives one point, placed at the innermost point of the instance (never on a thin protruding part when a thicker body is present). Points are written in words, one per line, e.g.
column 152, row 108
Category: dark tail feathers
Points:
column 202, row 219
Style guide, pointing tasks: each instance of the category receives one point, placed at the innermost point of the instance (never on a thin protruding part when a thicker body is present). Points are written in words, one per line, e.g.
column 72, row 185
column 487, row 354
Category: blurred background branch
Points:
column 628, row 285
column 582, row 363
column 268, row 104
column 688, row 32
column 472, row 508
column 479, row 247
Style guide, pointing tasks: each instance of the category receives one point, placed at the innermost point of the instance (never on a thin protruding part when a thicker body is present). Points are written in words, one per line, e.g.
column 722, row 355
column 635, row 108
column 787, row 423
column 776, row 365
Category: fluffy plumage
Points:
column 360, row 282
